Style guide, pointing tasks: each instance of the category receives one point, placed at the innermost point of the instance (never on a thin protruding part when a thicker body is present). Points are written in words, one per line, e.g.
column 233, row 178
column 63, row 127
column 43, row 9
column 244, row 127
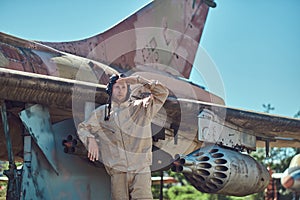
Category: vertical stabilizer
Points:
column 165, row 35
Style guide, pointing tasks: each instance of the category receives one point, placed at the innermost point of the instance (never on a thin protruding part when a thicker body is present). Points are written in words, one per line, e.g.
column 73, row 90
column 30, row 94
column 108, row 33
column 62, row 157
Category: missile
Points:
column 213, row 169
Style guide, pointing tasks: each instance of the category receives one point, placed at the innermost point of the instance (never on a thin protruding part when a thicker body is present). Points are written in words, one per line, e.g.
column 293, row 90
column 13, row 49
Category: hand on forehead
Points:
column 128, row 80
column 121, row 81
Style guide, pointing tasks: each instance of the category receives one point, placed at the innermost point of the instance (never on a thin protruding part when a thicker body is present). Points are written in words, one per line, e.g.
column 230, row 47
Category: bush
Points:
column 185, row 192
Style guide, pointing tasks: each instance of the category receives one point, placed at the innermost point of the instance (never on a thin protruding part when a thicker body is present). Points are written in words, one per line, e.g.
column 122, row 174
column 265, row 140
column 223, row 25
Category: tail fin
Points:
column 165, row 34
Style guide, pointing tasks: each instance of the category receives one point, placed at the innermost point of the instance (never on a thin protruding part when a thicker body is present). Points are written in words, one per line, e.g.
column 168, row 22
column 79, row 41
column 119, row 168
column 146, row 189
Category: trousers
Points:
column 131, row 186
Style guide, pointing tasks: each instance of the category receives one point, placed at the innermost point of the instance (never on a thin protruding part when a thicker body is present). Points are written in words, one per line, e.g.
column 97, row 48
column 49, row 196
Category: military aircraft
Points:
column 47, row 88
column 290, row 178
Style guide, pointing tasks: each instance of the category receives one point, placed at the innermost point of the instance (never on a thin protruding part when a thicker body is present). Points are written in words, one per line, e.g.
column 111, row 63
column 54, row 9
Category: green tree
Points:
column 268, row 108
column 3, row 185
column 297, row 115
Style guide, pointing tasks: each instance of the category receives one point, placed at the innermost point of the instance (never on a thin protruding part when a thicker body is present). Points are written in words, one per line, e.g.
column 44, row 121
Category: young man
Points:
column 120, row 136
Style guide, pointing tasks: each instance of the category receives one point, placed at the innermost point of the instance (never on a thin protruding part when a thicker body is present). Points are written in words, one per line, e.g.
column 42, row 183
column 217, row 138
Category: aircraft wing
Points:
column 278, row 131
column 47, row 90
column 31, row 73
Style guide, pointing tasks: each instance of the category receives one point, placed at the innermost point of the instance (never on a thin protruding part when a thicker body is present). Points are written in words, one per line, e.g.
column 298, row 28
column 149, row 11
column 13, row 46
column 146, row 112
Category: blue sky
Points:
column 254, row 44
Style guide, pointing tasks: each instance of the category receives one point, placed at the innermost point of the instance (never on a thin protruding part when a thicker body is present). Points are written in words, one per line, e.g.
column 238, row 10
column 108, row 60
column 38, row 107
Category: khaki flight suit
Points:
column 125, row 142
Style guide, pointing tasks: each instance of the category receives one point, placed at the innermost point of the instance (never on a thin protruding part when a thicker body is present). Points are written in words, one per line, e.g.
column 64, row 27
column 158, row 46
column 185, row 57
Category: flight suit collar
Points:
column 121, row 105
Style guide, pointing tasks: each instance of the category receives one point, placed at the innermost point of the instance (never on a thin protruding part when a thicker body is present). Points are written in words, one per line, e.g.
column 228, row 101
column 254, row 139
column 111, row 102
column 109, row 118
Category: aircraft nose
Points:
column 287, row 181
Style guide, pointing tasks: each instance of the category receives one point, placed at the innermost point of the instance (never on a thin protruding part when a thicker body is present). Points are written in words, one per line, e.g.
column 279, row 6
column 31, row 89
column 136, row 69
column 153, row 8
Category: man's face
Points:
column 119, row 92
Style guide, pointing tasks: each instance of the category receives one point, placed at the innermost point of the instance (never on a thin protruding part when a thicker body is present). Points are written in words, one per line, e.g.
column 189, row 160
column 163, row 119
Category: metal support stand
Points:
column 13, row 174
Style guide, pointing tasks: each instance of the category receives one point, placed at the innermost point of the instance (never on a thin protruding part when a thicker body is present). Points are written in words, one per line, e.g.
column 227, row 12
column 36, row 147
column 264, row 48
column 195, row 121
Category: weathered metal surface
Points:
column 213, row 169
column 37, row 120
column 77, row 178
column 182, row 89
column 48, row 90
column 29, row 56
column 214, row 130
column 281, row 131
column 164, row 33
